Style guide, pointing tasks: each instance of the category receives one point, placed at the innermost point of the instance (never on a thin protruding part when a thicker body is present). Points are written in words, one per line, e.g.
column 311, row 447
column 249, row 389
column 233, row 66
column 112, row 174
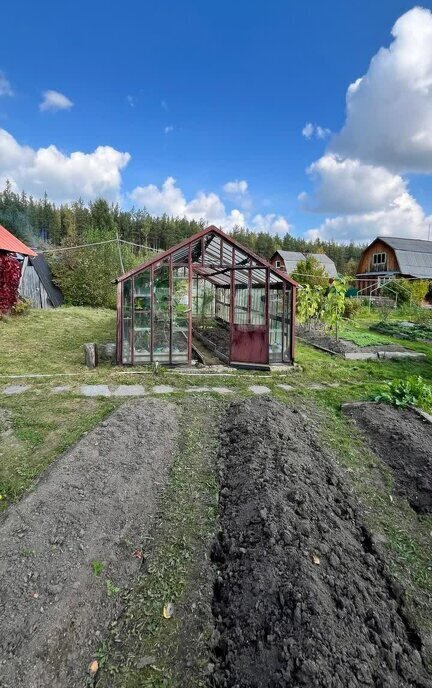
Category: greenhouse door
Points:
column 249, row 344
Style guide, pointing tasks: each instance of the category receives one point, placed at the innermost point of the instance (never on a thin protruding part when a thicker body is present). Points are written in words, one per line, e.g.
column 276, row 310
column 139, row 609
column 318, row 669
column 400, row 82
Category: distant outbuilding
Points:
column 287, row 261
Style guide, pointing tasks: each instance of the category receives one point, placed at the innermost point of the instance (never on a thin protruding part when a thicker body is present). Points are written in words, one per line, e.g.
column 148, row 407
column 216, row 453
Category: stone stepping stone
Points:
column 198, row 389
column 221, row 390
column 316, row 385
column 287, row 388
column 61, row 389
column 129, row 391
column 95, row 391
column 15, row 389
column 163, row 389
column 259, row 389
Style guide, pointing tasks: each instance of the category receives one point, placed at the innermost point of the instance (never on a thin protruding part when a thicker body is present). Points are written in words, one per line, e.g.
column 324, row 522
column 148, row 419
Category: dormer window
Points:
column 278, row 263
column 379, row 261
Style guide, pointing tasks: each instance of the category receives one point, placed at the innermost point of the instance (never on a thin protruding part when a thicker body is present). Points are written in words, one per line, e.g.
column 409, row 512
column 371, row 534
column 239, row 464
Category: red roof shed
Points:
column 11, row 244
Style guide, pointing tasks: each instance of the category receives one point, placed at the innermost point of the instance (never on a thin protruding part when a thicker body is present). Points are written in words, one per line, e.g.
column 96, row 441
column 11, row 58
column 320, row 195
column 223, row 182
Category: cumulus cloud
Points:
column 239, row 186
column 170, row 199
column 387, row 132
column 310, row 131
column 53, row 101
column 404, row 217
column 64, row 177
column 5, row 87
column 349, row 186
column 389, row 109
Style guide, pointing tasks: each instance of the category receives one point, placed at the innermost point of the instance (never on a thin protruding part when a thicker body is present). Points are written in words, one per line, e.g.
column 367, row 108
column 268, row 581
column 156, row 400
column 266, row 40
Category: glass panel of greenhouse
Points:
column 206, row 292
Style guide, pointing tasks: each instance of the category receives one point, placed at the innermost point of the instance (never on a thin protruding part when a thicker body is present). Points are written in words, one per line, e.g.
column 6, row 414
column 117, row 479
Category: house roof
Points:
column 41, row 266
column 291, row 258
column 414, row 256
column 8, row 242
column 218, row 251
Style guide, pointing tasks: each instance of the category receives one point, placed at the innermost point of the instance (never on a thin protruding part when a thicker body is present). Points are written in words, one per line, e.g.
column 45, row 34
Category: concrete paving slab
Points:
column 221, row 390
column 60, row 389
column 287, row 388
column 95, row 390
column 129, row 391
column 15, row 389
column 163, row 389
column 259, row 389
column 197, row 389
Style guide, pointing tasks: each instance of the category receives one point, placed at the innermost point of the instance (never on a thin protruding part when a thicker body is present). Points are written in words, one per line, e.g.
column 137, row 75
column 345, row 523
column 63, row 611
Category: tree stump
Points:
column 90, row 355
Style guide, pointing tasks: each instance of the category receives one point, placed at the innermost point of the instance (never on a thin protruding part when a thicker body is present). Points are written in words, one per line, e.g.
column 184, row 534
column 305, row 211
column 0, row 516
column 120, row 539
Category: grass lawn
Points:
column 51, row 341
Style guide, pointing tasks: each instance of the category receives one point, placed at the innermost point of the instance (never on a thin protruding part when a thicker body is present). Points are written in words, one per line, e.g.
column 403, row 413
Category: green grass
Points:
column 34, row 430
column 51, row 341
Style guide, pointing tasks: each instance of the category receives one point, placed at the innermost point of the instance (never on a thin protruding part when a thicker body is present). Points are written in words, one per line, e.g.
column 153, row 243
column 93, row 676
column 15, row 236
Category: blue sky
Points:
column 212, row 93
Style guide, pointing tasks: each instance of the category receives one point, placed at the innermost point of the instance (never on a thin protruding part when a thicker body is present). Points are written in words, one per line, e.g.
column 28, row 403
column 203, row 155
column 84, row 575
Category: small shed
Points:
column 36, row 283
column 208, row 289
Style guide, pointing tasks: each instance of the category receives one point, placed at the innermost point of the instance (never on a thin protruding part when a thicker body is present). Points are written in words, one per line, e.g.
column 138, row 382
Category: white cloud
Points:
column 310, row 131
column 271, row 223
column 164, row 105
column 170, row 199
column 64, row 177
column 131, row 101
column 169, row 129
column 5, row 87
column 348, row 186
column 389, row 109
column 53, row 101
column 403, row 218
column 237, row 187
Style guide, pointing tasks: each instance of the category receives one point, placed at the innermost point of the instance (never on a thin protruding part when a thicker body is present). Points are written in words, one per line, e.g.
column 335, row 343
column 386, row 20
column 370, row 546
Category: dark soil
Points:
column 301, row 596
column 96, row 504
column 342, row 346
column 403, row 440
column 218, row 335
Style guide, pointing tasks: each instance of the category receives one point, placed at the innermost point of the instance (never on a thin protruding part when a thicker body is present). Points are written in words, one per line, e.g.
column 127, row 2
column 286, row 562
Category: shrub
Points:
column 351, row 308
column 407, row 291
column 310, row 272
column 10, row 272
column 86, row 276
column 413, row 391
column 21, row 307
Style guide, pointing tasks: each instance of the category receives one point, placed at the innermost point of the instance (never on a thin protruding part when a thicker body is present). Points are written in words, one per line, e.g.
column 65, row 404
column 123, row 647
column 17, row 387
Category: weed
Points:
column 412, row 391
column 112, row 589
column 97, row 567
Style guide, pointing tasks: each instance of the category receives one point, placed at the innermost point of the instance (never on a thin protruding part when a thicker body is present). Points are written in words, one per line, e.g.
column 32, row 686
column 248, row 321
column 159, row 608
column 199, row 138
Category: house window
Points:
column 379, row 259
column 278, row 263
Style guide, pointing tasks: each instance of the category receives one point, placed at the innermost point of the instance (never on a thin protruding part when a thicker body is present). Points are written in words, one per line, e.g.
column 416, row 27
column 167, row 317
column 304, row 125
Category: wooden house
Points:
column 287, row 261
column 388, row 258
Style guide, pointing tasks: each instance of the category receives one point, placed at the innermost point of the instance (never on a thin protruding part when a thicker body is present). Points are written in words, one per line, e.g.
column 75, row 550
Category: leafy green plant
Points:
column 406, row 290
column 112, row 589
column 413, row 391
column 309, row 304
column 97, row 567
column 334, row 304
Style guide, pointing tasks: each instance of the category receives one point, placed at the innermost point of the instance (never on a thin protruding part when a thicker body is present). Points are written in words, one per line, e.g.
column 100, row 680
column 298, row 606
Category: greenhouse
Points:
column 211, row 292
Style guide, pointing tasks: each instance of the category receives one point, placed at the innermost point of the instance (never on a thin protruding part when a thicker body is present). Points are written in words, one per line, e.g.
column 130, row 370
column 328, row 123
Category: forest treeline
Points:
column 43, row 223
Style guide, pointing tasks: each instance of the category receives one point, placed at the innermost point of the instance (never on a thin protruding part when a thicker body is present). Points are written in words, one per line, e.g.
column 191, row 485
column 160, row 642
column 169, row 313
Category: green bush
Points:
column 86, row 276
column 407, row 291
column 413, row 391
column 352, row 308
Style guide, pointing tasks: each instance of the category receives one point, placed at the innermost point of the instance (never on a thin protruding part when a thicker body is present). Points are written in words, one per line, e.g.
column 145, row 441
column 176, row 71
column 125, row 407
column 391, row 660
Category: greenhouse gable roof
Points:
column 218, row 248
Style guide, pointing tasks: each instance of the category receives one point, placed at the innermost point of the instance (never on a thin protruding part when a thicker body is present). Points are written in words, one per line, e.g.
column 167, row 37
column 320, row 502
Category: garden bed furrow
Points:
column 301, row 596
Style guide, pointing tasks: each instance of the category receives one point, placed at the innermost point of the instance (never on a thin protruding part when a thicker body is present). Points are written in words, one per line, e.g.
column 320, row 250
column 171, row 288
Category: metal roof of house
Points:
column 291, row 258
column 9, row 243
column 414, row 256
column 211, row 252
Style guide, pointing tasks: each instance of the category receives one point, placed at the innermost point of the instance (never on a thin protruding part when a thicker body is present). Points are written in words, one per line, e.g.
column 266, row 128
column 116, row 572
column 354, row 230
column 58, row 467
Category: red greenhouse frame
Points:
column 212, row 289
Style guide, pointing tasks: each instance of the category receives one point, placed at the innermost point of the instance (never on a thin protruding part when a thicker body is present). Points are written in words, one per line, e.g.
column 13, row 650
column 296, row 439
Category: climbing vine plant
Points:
column 10, row 272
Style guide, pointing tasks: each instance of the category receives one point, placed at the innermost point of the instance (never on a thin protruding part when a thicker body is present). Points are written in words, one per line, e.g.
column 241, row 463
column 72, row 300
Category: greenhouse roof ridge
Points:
column 211, row 229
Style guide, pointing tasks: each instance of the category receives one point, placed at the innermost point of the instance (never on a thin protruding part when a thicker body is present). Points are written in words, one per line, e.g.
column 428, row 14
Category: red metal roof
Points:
column 10, row 243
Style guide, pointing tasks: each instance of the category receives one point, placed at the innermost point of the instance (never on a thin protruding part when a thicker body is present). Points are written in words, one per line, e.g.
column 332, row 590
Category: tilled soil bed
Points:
column 324, row 340
column 403, row 440
column 301, row 597
column 67, row 548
